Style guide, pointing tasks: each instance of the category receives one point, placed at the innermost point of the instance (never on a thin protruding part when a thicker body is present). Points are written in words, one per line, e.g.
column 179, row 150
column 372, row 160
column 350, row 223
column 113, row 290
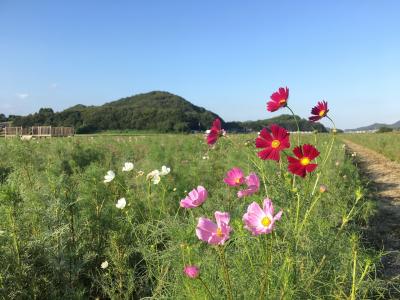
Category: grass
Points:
column 387, row 144
column 59, row 222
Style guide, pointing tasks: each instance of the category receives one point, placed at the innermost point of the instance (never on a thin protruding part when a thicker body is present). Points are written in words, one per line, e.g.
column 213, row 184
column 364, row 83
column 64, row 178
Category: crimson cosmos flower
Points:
column 302, row 164
column 278, row 99
column 273, row 142
column 319, row 111
column 215, row 132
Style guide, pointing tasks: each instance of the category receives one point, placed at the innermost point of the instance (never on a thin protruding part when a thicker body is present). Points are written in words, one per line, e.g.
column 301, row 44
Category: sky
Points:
column 226, row 56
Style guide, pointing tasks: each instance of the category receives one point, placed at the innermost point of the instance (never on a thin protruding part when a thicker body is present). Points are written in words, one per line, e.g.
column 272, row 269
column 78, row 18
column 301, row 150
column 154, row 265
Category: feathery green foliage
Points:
column 59, row 222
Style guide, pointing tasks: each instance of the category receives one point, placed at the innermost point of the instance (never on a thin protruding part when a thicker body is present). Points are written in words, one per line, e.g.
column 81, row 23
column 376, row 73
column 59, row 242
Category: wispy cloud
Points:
column 22, row 95
column 54, row 85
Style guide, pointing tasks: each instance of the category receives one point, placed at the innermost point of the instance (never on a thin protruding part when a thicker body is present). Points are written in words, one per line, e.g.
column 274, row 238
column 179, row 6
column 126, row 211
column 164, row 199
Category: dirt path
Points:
column 385, row 177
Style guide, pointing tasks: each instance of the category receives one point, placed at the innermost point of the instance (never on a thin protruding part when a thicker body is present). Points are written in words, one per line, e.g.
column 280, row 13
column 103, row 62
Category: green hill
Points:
column 155, row 111
column 377, row 126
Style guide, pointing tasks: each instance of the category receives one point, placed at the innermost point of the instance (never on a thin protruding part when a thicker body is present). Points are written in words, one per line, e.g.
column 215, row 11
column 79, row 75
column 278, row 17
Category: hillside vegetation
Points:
column 154, row 111
column 158, row 111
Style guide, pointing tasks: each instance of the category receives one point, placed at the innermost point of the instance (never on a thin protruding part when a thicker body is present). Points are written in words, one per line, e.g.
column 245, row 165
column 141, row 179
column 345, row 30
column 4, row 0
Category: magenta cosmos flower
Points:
column 261, row 221
column 234, row 177
column 215, row 234
column 253, row 186
column 191, row 271
column 273, row 143
column 278, row 99
column 215, row 132
column 195, row 198
column 319, row 111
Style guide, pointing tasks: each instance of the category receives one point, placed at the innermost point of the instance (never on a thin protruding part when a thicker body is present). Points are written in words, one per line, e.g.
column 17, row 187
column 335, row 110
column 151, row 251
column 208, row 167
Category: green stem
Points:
column 265, row 284
column 123, row 187
column 14, row 237
column 261, row 169
column 206, row 287
column 353, row 286
column 297, row 212
column 329, row 151
column 348, row 217
column 315, row 184
column 221, row 251
column 308, row 212
column 333, row 123
column 297, row 124
column 327, row 154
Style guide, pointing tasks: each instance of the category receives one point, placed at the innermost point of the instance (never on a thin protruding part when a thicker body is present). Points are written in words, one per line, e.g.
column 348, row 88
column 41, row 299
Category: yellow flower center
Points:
column 265, row 221
column 275, row 144
column 282, row 101
column 219, row 232
column 237, row 180
column 322, row 113
column 305, row 161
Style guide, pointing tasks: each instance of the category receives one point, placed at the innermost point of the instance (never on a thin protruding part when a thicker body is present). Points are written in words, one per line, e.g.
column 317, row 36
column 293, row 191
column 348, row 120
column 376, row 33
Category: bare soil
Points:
column 385, row 177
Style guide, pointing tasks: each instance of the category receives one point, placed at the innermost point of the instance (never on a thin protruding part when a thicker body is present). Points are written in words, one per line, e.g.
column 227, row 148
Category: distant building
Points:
column 38, row 131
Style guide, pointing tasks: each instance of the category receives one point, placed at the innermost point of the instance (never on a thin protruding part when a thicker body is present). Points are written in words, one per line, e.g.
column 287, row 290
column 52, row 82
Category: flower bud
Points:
column 323, row 188
column 191, row 271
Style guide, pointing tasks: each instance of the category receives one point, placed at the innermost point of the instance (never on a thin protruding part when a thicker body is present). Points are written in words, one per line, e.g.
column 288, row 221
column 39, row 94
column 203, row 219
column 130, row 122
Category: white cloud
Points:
column 22, row 95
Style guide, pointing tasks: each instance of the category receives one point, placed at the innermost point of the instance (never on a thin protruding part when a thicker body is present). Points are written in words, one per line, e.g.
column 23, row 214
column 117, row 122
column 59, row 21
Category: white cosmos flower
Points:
column 109, row 176
column 121, row 203
column 128, row 166
column 165, row 170
column 104, row 264
column 152, row 174
column 156, row 179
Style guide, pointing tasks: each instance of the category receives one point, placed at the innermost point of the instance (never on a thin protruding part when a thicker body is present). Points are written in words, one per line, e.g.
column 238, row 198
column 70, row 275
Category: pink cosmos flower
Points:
column 253, row 186
column 195, row 198
column 215, row 132
column 234, row 177
column 261, row 221
column 191, row 271
column 215, row 234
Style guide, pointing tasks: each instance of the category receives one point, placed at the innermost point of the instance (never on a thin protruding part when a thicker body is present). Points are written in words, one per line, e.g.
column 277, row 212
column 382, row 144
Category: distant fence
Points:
column 362, row 131
column 39, row 131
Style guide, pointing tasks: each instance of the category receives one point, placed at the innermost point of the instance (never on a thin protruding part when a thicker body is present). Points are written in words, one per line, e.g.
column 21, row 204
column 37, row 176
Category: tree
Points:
column 3, row 118
column 384, row 129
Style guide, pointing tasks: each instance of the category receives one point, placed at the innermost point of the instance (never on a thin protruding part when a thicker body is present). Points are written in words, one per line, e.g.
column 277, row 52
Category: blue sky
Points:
column 227, row 56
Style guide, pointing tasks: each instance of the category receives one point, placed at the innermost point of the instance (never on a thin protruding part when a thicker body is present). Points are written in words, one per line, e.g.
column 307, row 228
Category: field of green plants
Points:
column 387, row 144
column 65, row 233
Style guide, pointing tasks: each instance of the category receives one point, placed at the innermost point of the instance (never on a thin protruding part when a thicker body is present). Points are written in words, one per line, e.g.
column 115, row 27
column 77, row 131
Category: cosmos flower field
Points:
column 223, row 216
